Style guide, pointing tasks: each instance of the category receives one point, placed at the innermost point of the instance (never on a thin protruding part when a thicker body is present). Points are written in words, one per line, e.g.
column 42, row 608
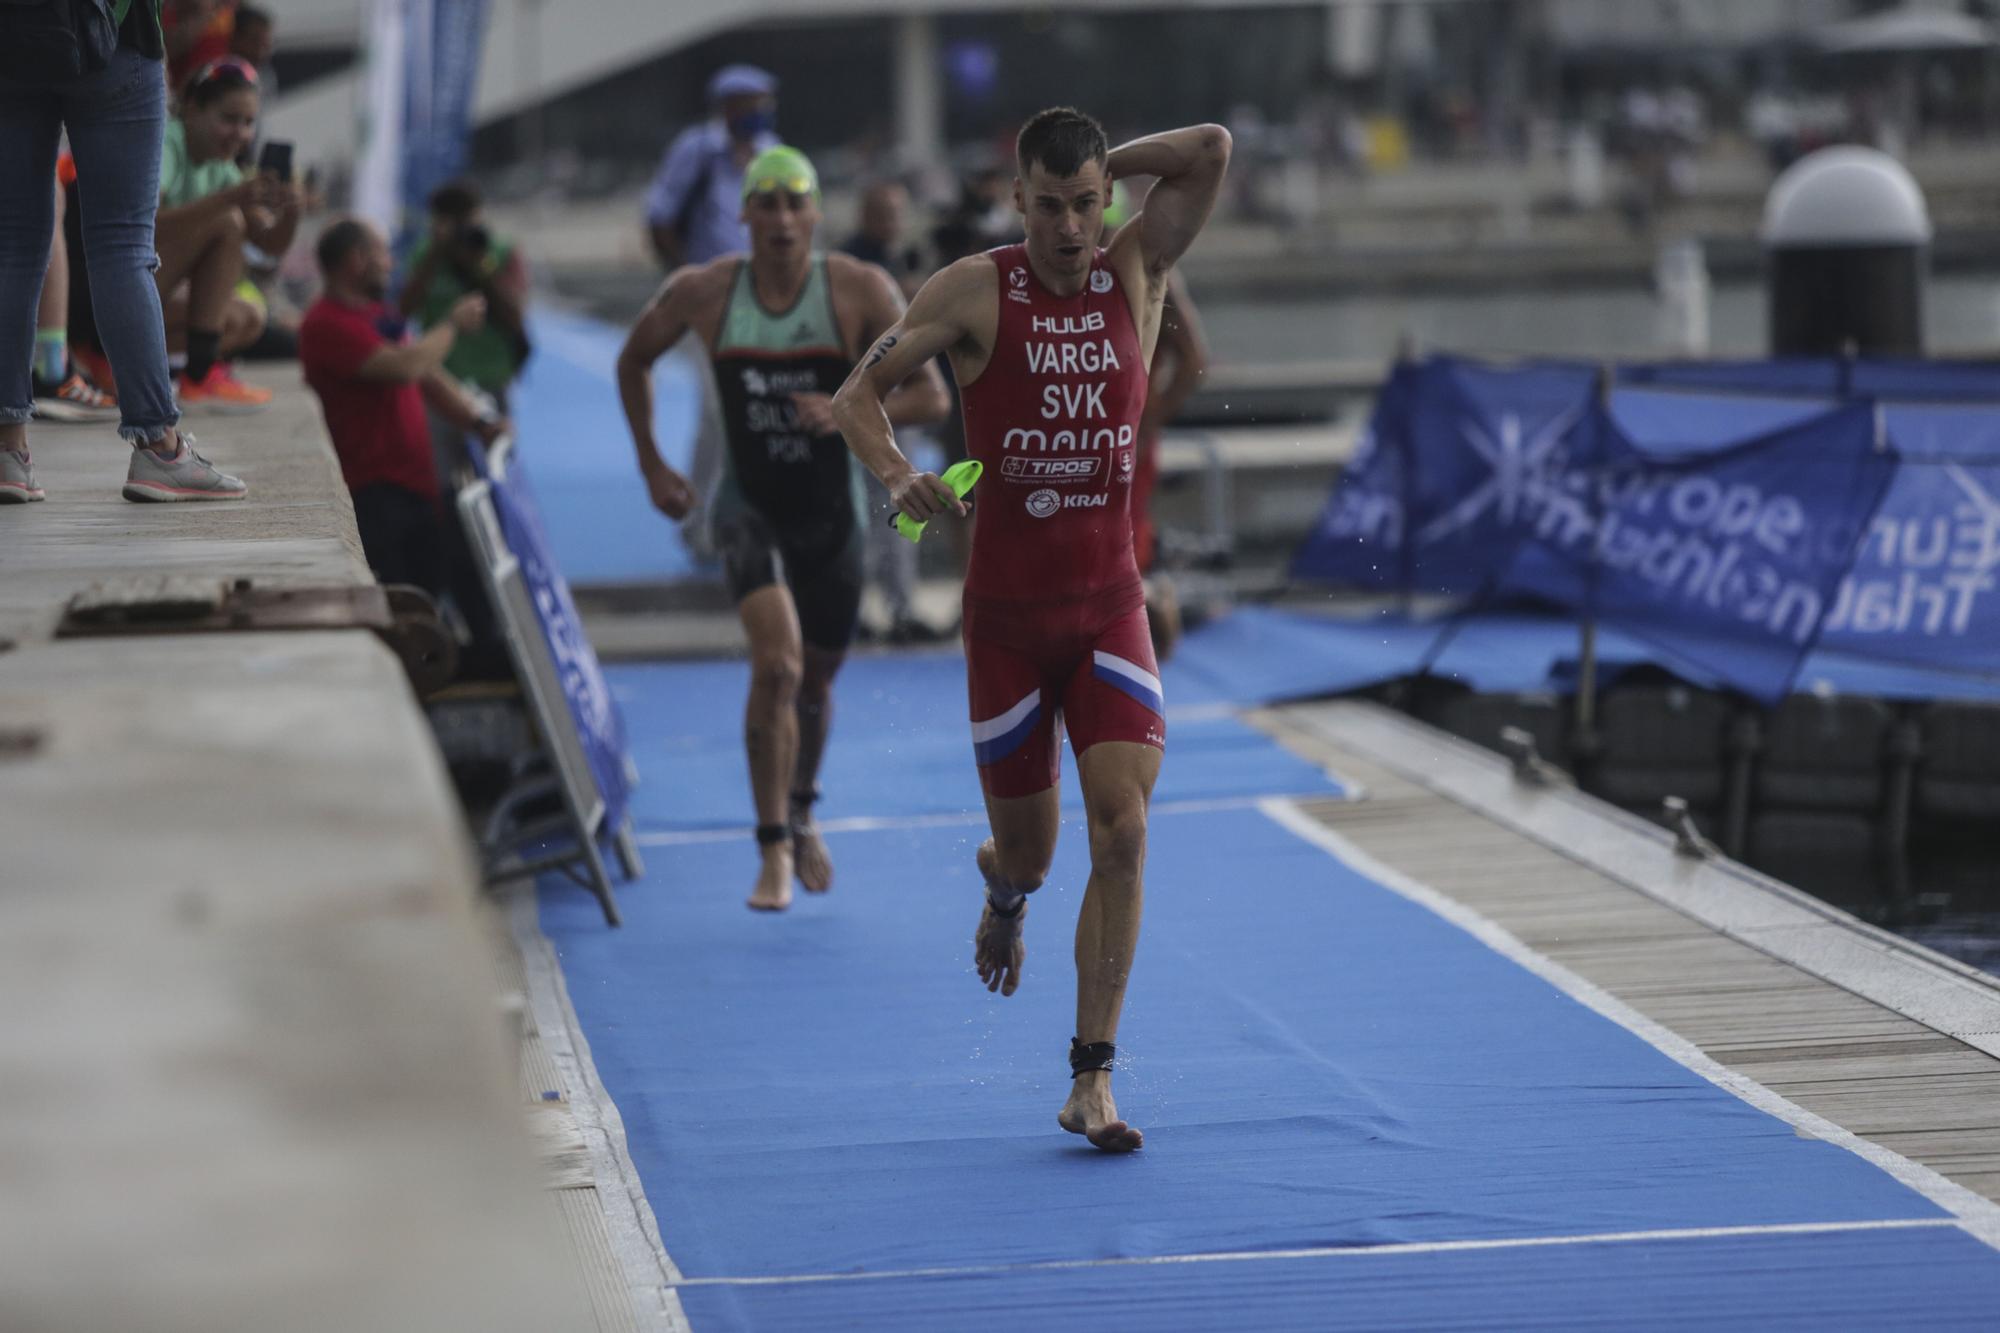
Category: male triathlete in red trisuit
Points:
column 1049, row 342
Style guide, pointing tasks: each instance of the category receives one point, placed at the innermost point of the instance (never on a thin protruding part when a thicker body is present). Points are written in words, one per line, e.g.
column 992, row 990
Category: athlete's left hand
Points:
column 815, row 412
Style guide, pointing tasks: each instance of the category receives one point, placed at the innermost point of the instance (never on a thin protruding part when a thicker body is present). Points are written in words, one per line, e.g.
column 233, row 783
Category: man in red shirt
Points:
column 1049, row 342
column 373, row 381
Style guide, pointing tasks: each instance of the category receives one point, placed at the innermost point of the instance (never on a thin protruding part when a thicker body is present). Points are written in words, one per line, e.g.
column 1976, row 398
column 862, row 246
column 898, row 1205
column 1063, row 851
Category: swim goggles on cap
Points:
column 780, row 169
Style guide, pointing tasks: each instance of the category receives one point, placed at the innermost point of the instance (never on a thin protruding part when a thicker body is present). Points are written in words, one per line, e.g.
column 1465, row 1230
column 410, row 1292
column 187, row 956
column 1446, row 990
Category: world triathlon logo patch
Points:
column 1043, row 503
column 1100, row 280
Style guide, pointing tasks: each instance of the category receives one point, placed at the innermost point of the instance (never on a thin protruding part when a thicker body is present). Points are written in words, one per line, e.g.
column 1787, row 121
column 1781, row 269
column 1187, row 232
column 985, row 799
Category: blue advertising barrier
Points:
column 1458, row 455
column 573, row 708
column 1727, row 561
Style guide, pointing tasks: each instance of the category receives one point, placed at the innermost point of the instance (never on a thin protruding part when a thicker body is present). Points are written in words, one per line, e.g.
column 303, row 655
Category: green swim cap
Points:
column 780, row 168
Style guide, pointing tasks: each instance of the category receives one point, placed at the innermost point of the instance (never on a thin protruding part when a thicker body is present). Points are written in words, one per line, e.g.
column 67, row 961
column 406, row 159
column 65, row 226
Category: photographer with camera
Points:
column 463, row 257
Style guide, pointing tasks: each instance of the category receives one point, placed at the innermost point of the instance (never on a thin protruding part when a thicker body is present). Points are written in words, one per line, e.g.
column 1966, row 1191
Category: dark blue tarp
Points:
column 1459, row 454
column 1727, row 559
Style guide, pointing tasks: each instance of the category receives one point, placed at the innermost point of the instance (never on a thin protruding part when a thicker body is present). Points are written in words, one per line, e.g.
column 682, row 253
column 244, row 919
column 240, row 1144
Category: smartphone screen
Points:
column 276, row 160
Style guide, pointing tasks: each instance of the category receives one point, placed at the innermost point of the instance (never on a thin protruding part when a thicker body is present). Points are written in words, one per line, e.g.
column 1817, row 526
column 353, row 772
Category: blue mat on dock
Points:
column 1317, row 1061
column 901, row 745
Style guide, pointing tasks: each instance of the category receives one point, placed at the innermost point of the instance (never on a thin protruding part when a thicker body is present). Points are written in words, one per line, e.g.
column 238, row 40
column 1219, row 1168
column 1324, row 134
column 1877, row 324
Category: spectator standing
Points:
column 694, row 209
column 461, row 256
column 373, row 381
column 115, row 116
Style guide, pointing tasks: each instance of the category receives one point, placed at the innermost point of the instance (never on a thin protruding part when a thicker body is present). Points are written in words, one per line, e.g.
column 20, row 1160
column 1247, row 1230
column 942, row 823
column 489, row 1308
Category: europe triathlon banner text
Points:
column 1458, row 453
column 1727, row 562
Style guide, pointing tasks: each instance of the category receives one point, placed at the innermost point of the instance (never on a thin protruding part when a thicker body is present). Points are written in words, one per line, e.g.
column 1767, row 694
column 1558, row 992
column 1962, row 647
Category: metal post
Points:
column 1586, row 671
column 1406, row 553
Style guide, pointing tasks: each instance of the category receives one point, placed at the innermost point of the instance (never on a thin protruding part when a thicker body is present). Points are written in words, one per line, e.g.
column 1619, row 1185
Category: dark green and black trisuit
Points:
column 788, row 501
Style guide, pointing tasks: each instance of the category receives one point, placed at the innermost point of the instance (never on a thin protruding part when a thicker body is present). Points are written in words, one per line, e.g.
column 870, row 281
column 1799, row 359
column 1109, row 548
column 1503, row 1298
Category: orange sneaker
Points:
column 220, row 393
column 94, row 367
column 74, row 399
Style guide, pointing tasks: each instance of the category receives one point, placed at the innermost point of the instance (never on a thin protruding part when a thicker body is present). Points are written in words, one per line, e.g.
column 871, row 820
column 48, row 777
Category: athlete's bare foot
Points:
column 774, row 880
column 1091, row 1112
column 997, row 949
column 814, row 866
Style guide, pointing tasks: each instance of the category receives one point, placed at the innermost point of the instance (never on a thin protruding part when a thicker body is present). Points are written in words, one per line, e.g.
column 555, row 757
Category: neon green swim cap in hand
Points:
column 780, row 168
column 961, row 476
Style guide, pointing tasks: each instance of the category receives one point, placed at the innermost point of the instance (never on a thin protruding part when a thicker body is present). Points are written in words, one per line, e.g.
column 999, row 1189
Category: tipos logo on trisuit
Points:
column 1043, row 503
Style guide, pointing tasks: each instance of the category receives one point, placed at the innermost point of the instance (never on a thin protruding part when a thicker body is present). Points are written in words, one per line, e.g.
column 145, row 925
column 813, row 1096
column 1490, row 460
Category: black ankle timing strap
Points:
column 1087, row 1056
column 1006, row 916
column 803, row 800
column 769, row 834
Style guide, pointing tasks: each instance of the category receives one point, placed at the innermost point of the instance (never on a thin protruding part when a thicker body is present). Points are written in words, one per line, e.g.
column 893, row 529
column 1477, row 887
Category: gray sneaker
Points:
column 17, row 479
column 185, row 476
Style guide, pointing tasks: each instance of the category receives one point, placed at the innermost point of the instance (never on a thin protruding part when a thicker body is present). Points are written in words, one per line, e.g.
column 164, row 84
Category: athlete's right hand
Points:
column 670, row 492
column 923, row 496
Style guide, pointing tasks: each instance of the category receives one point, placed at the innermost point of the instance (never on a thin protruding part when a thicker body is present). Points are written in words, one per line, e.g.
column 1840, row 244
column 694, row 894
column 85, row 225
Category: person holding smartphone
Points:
column 461, row 256
column 209, row 207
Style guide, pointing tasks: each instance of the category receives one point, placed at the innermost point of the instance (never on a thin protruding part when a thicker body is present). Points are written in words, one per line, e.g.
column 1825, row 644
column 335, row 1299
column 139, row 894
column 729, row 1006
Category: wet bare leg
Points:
column 815, row 720
column 1118, row 781
column 1013, row 863
column 770, row 731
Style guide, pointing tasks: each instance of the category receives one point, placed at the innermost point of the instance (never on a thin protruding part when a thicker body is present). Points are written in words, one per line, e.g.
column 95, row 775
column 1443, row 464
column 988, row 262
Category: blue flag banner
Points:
column 1455, row 454
column 442, row 41
column 1727, row 562
column 599, row 724
column 1924, row 584
column 1458, row 452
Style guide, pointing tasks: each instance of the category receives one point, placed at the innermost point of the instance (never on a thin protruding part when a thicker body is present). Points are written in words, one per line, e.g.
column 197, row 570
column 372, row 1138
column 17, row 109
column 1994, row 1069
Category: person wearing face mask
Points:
column 693, row 211
column 208, row 208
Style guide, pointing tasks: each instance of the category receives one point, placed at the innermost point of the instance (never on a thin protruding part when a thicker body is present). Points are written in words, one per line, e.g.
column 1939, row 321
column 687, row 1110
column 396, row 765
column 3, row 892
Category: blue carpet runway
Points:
column 1358, row 1115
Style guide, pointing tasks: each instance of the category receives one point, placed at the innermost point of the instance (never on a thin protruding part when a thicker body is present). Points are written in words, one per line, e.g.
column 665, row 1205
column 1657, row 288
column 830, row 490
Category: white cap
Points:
column 1845, row 196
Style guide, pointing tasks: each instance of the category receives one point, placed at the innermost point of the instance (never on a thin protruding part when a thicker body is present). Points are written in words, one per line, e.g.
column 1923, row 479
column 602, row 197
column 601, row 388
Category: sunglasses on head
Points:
column 226, row 69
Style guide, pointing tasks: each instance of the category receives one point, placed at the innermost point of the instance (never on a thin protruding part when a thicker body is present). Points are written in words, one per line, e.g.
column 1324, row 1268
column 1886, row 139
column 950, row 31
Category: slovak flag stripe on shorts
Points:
column 997, row 737
column 1132, row 678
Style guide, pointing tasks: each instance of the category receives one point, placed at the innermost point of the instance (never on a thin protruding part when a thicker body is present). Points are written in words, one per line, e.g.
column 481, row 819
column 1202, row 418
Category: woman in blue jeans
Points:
column 115, row 117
